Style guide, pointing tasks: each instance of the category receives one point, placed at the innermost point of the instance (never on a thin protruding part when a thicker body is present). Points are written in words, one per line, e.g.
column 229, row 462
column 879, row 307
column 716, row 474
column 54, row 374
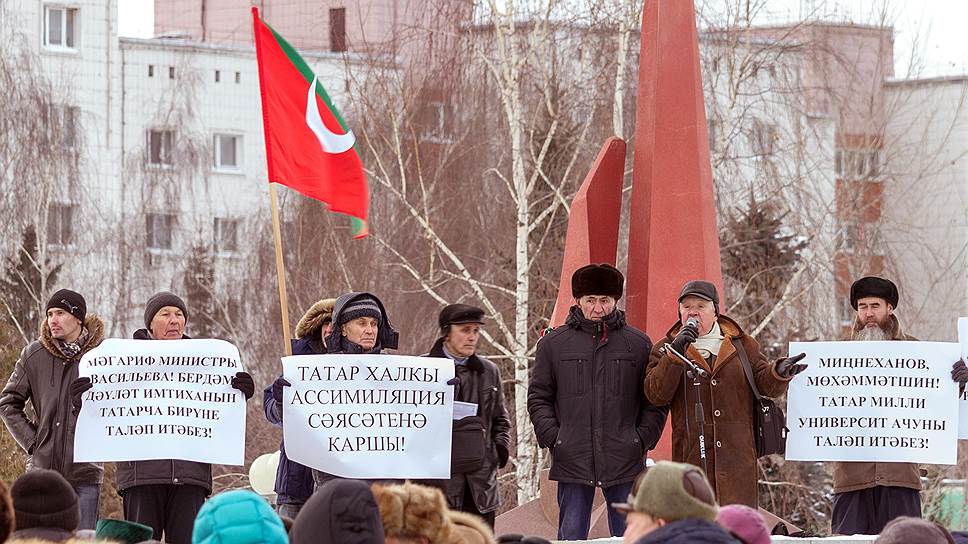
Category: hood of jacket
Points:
column 341, row 512
column 312, row 321
column 387, row 337
column 95, row 335
column 689, row 531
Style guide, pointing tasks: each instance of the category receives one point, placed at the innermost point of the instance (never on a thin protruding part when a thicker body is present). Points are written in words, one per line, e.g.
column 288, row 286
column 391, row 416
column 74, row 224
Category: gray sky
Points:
column 932, row 31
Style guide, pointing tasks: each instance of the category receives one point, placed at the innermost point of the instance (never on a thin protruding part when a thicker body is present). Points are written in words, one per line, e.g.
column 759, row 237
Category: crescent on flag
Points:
column 328, row 140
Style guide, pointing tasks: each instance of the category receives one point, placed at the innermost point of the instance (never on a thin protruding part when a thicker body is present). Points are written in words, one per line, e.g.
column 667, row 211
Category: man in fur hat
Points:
column 43, row 376
column 867, row 495
column 587, row 405
column 294, row 482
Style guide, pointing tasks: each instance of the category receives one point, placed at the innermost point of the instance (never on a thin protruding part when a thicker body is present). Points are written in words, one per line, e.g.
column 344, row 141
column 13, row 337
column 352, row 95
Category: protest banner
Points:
column 963, row 402
column 874, row 401
column 369, row 416
column 170, row 399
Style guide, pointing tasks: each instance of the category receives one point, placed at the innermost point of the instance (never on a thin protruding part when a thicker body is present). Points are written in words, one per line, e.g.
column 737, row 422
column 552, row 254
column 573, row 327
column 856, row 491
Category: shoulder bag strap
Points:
column 747, row 368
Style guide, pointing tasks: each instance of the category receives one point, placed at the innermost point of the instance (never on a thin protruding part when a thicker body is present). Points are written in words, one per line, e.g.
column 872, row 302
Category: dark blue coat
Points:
column 294, row 482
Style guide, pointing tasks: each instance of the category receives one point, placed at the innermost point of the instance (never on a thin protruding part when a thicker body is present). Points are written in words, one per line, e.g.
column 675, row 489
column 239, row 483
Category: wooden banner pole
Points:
column 280, row 268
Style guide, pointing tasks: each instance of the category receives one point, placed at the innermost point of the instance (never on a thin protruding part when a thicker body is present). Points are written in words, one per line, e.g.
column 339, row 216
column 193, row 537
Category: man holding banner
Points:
column 867, row 495
column 164, row 494
column 360, row 326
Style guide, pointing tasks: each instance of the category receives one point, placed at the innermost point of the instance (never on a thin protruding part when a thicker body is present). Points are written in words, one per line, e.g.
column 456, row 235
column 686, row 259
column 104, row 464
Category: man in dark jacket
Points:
column 342, row 511
column 43, row 376
column 673, row 503
column 473, row 488
column 165, row 494
column 294, row 482
column 587, row 405
column 360, row 325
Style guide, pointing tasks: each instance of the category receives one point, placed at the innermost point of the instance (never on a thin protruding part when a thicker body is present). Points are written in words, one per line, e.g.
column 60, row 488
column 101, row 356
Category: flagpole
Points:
column 280, row 268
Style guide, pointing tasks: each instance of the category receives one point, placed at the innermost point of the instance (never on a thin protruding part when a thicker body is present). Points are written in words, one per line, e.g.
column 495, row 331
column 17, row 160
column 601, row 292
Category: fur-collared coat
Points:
column 728, row 404
column 43, row 376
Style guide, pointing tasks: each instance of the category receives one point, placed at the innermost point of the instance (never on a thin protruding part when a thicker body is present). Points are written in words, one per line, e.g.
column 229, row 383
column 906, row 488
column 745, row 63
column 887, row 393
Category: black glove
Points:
column 277, row 388
column 243, row 382
column 513, row 538
column 80, row 385
column 959, row 372
column 502, row 455
column 788, row 368
column 686, row 336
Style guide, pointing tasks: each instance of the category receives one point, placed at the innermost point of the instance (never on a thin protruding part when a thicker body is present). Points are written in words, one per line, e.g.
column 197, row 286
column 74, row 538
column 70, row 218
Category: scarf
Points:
column 71, row 349
column 709, row 344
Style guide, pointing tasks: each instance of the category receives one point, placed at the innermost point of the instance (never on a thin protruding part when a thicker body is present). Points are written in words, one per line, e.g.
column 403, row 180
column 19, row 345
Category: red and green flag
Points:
column 309, row 148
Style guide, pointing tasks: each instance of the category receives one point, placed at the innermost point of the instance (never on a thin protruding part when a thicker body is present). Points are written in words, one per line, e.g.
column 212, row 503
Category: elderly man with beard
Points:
column 867, row 495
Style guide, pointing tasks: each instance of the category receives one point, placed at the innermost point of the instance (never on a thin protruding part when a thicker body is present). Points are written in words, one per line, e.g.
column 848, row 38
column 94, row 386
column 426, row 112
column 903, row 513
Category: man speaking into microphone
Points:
column 716, row 345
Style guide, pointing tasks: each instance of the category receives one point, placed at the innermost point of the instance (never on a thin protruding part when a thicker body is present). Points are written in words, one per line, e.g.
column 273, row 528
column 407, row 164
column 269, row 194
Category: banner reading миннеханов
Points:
column 874, row 401
column 161, row 399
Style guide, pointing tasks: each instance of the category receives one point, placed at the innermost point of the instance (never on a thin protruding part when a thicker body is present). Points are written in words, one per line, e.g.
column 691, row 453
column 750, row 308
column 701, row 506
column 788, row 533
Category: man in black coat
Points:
column 472, row 486
column 587, row 403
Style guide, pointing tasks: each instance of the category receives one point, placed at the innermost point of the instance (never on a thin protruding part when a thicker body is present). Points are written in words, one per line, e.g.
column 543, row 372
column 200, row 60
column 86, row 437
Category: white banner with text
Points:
column 161, row 399
column 369, row 416
column 874, row 401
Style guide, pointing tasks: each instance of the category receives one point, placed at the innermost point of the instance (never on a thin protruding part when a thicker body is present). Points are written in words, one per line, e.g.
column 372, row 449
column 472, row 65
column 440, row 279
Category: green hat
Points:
column 119, row 530
column 672, row 491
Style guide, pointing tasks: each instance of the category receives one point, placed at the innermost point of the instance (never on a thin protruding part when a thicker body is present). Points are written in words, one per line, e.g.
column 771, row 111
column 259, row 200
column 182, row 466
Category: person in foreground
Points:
column 672, row 503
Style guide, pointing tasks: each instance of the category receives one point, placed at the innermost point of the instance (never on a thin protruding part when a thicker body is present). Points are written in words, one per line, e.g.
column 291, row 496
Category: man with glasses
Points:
column 587, row 404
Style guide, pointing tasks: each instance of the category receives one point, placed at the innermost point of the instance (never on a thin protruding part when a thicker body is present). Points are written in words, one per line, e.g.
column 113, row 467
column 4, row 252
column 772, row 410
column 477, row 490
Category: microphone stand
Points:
column 695, row 373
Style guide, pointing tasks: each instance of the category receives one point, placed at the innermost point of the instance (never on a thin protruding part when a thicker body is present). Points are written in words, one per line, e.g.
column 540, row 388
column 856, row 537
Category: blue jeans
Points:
column 575, row 509
column 89, row 499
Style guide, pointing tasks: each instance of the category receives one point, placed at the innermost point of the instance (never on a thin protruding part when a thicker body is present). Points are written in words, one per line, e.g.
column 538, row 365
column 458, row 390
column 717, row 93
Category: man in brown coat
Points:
column 867, row 495
column 711, row 341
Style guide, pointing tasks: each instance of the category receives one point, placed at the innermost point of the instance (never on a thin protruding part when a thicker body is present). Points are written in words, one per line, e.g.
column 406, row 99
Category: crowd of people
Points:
column 599, row 397
column 669, row 503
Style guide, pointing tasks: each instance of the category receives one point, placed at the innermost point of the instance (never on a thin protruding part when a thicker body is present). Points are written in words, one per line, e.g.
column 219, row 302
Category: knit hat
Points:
column 119, row 530
column 672, row 491
column 160, row 300
column 872, row 286
column 43, row 498
column 744, row 523
column 240, row 517
column 6, row 513
column 905, row 529
column 597, row 279
column 363, row 306
column 70, row 301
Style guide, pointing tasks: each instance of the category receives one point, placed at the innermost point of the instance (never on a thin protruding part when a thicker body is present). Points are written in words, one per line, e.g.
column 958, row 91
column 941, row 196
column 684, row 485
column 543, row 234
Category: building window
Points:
column 763, row 138
column 228, row 152
column 160, row 144
column 238, row 77
column 63, row 122
column 712, row 135
column 857, row 164
column 59, row 222
column 226, row 235
column 151, row 70
column 337, row 29
column 218, row 76
column 60, row 27
column 158, row 230
column 171, row 72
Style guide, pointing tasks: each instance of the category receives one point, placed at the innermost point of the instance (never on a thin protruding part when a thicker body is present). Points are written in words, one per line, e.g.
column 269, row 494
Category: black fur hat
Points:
column 597, row 279
column 872, row 286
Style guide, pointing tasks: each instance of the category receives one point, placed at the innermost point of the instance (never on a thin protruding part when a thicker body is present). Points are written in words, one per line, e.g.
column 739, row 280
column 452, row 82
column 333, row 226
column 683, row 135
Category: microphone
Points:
column 693, row 322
